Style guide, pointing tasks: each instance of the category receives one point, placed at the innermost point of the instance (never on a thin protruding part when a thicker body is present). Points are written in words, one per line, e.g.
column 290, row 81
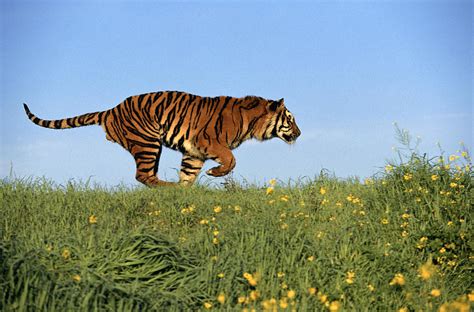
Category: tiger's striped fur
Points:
column 200, row 128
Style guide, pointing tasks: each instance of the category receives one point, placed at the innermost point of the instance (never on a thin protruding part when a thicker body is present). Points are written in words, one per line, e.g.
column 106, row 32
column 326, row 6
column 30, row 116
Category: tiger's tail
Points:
column 66, row 123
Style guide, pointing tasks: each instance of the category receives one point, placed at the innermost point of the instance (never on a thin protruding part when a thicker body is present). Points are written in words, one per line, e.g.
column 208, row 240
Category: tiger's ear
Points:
column 274, row 105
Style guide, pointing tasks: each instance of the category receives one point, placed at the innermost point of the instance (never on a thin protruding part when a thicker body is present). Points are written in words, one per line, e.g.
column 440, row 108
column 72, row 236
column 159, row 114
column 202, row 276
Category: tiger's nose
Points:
column 296, row 132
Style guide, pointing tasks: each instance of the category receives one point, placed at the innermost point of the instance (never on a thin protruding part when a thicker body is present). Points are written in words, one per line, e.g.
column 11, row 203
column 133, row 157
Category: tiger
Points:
column 201, row 128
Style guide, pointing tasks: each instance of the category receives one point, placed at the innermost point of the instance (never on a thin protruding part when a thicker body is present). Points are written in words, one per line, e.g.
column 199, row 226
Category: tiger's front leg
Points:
column 223, row 155
column 190, row 168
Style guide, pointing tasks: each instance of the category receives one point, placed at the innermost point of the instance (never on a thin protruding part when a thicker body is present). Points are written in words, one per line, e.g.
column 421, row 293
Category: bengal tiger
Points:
column 200, row 128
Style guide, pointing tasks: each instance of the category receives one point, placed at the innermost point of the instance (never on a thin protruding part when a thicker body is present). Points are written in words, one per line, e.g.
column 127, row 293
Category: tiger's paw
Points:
column 216, row 172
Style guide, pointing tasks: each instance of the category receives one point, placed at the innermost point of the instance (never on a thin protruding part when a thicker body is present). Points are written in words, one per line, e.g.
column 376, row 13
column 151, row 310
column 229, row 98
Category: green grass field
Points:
column 400, row 241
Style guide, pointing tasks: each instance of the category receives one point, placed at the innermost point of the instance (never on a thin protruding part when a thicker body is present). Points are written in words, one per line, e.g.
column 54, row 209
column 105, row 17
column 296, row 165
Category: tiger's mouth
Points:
column 289, row 138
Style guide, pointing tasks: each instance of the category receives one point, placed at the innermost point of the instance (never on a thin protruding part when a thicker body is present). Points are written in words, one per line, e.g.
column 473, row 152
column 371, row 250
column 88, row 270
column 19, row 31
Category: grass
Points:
column 400, row 240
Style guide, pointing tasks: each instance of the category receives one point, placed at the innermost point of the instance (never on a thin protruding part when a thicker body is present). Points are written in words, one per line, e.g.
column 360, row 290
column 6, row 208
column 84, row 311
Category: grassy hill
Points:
column 400, row 241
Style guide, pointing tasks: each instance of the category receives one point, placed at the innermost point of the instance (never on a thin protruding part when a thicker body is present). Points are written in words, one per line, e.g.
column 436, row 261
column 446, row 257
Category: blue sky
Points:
column 347, row 70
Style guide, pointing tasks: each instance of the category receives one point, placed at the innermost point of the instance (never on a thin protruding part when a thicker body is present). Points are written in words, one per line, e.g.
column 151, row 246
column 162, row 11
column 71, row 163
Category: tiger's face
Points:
column 284, row 123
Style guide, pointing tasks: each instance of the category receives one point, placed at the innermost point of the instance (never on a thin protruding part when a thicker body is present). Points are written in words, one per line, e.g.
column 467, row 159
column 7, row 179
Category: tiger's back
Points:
column 200, row 128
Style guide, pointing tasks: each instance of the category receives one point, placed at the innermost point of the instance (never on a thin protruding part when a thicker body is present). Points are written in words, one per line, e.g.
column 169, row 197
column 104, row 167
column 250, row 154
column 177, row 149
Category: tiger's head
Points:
column 281, row 124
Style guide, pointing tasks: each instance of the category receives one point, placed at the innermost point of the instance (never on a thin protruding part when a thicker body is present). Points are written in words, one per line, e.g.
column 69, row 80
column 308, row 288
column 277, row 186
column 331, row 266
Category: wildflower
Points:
column 217, row 209
column 403, row 309
column 310, row 258
column 269, row 190
column 215, row 241
column 388, row 168
column 312, row 290
column 407, row 176
column 322, row 298
column 66, row 253
column 453, row 184
column 470, row 296
column 221, row 298
column 384, row 221
column 92, row 219
column 237, row 208
column 76, row 277
column 442, row 250
column 435, row 292
column 350, row 277
column 284, row 198
column 272, row 182
column 398, row 279
column 322, row 191
column 291, row 294
column 254, row 294
column 214, row 258
column 371, row 287
column 284, row 226
column 283, row 303
column 251, row 279
column 280, row 274
column 426, row 270
column 405, row 216
column 220, row 275
column 204, row 222
column 404, row 234
column 215, row 232
column 453, row 157
column 334, row 306
column 450, row 223
column 207, row 305
column 368, row 181
column 241, row 299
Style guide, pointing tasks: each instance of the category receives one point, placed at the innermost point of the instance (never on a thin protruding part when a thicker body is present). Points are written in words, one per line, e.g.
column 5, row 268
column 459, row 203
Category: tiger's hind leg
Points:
column 147, row 159
column 190, row 168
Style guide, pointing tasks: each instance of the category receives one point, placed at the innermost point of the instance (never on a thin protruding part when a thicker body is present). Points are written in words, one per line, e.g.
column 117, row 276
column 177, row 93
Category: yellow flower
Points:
column 66, row 253
column 322, row 191
column 334, row 306
column 435, row 292
column 237, row 208
column 450, row 223
column 452, row 157
column 404, row 234
column 470, row 296
column 384, row 221
column 405, row 216
column 291, row 294
column 283, row 303
column 350, row 277
column 215, row 241
column 280, row 274
column 76, row 277
column 251, row 279
column 312, row 290
column 215, row 232
column 442, row 250
column 371, row 287
column 284, row 198
column 403, row 310
column 322, row 298
column 92, row 219
column 407, row 176
column 241, row 299
column 221, row 298
column 220, row 275
column 453, row 184
column 426, row 270
column 204, row 221
column 398, row 279
column 388, row 168
column 311, row 258
column 217, row 209
column 254, row 294
column 269, row 190
column 207, row 305
column 273, row 182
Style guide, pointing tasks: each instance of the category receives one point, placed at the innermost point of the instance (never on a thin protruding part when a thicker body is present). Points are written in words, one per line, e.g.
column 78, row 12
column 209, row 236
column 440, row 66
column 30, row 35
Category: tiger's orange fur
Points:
column 200, row 128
